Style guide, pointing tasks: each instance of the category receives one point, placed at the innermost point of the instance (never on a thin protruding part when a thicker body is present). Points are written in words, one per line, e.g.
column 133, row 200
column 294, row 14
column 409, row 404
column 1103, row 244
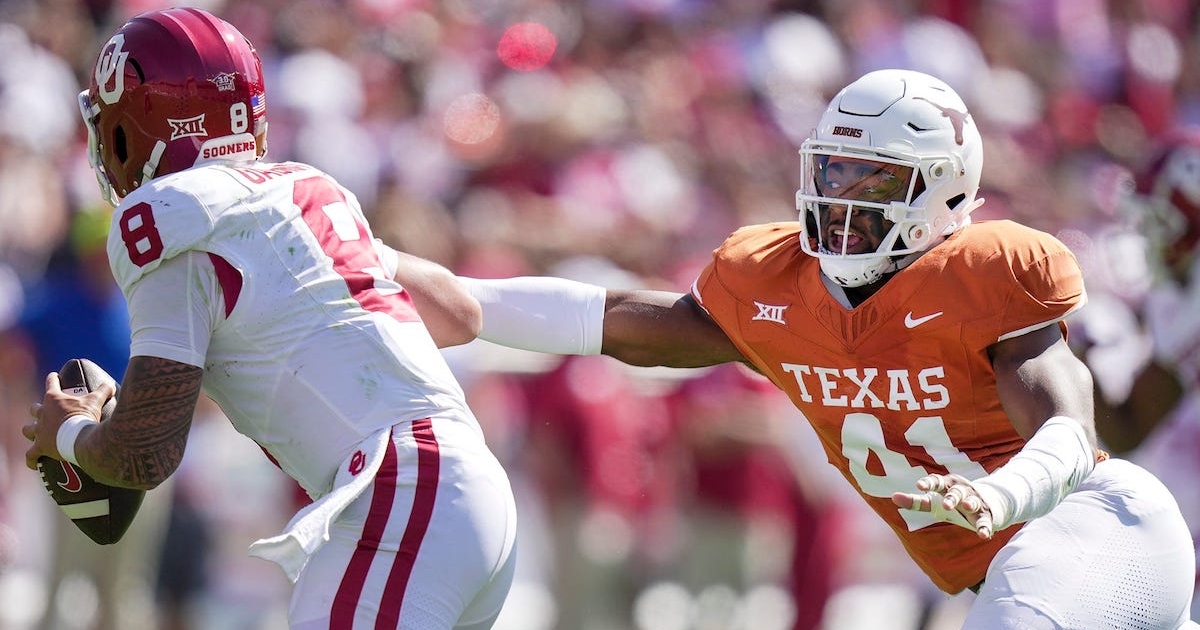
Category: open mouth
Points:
column 844, row 241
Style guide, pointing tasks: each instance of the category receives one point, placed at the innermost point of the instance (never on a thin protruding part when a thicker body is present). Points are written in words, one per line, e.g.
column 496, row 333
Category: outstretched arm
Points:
column 449, row 312
column 663, row 328
column 638, row 327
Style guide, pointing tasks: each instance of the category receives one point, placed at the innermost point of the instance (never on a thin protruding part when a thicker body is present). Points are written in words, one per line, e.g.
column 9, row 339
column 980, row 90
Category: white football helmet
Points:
column 893, row 166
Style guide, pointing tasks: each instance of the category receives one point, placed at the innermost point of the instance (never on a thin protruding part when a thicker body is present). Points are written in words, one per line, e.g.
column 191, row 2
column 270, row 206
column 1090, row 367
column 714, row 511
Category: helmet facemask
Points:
column 841, row 187
column 108, row 189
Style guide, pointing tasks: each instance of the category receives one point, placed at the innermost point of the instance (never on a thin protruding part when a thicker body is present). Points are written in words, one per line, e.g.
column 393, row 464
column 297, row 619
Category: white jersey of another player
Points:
column 306, row 342
column 261, row 285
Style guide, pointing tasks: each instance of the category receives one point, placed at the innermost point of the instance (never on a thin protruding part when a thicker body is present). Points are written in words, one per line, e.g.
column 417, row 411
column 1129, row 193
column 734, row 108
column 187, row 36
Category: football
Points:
column 101, row 511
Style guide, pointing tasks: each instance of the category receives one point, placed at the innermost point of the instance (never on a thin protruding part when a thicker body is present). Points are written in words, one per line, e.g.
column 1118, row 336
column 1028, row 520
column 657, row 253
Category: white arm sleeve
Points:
column 172, row 310
column 542, row 314
column 1050, row 465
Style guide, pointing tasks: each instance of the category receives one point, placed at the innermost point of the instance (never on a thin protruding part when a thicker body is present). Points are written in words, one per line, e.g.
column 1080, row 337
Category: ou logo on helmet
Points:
column 110, row 67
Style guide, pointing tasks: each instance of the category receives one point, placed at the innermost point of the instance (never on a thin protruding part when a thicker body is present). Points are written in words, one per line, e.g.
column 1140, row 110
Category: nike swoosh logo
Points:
column 913, row 322
column 73, row 482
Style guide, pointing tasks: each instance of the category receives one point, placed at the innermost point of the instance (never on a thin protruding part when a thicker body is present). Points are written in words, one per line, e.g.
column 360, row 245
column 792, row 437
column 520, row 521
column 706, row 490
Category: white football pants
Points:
column 429, row 546
column 1116, row 553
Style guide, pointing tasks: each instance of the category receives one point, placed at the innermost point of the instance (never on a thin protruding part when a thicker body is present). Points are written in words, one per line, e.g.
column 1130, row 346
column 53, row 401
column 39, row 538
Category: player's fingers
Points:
column 983, row 526
column 958, row 495
column 907, row 501
column 31, row 457
column 29, row 431
column 35, row 410
column 932, row 483
column 107, row 390
column 972, row 504
column 52, row 384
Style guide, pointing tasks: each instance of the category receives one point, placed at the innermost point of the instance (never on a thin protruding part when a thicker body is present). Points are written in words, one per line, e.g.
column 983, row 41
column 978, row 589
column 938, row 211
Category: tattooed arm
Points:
column 173, row 311
column 143, row 442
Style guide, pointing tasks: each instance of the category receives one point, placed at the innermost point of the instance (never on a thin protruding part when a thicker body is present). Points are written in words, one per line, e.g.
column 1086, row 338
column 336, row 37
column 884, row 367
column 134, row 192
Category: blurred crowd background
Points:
column 615, row 141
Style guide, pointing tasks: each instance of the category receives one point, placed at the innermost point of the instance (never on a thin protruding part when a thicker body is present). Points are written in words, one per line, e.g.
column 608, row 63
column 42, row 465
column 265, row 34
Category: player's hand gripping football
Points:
column 55, row 407
column 947, row 495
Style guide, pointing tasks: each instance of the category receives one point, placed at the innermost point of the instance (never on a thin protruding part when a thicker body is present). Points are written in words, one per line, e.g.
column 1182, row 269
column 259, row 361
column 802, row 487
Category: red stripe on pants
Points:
column 428, row 463
column 350, row 590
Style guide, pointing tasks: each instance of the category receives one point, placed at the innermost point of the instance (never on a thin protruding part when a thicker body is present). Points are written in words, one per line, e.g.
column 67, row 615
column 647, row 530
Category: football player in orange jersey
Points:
column 929, row 355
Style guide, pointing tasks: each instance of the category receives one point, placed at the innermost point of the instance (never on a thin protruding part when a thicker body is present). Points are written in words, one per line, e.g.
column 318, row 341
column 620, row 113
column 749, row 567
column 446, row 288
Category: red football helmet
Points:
column 1166, row 200
column 167, row 88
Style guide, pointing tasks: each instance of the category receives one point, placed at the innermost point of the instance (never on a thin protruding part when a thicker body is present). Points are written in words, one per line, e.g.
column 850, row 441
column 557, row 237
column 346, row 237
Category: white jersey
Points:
column 1158, row 323
column 307, row 343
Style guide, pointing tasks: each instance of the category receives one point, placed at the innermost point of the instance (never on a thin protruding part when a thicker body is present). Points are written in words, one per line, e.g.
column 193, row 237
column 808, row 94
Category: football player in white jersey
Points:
column 261, row 285
column 1150, row 345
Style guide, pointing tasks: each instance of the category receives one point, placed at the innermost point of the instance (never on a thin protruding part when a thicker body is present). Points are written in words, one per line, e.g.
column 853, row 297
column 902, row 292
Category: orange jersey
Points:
column 900, row 386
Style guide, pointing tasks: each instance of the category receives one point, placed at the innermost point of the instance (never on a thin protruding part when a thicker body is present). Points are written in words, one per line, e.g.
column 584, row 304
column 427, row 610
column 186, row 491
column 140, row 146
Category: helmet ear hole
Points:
column 120, row 146
column 955, row 201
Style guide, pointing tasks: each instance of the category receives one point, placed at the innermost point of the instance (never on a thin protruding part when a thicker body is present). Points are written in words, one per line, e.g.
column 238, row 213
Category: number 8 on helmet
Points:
column 171, row 87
